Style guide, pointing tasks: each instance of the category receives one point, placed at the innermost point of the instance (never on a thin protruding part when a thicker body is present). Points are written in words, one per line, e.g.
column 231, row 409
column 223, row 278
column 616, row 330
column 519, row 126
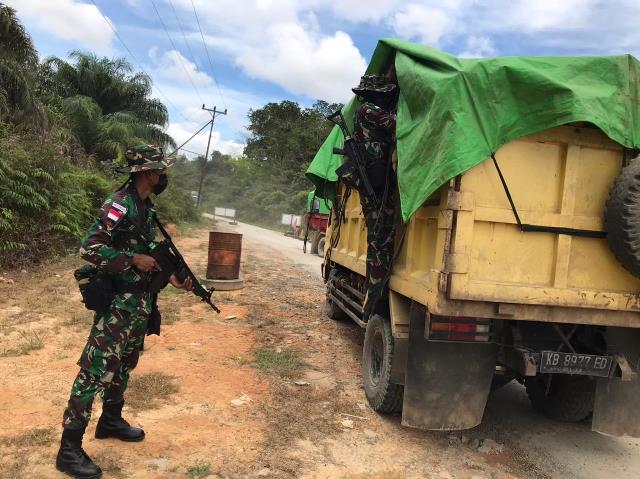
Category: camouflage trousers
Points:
column 111, row 353
column 381, row 228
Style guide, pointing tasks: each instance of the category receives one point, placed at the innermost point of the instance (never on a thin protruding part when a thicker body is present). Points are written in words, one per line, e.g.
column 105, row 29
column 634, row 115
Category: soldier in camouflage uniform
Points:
column 374, row 130
column 114, row 244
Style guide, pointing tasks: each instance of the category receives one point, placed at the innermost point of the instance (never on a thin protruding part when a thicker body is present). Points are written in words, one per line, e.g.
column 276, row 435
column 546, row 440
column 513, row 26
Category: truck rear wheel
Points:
column 315, row 237
column 321, row 246
column 377, row 358
column 570, row 398
column 333, row 310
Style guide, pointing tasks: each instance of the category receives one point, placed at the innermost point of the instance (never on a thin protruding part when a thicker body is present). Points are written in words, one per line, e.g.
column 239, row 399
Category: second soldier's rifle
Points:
column 351, row 151
column 171, row 262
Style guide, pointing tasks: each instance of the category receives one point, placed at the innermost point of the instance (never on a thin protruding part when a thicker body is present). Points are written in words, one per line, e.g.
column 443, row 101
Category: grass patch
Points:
column 16, row 467
column 283, row 362
column 148, row 390
column 200, row 469
column 169, row 317
column 31, row 341
column 110, row 466
column 171, row 291
column 31, row 438
column 83, row 317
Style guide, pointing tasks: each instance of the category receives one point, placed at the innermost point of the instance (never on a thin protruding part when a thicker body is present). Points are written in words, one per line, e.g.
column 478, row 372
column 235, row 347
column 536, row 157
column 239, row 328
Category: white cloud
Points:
column 229, row 134
column 478, row 47
column 424, row 23
column 68, row 20
column 172, row 65
column 198, row 145
column 363, row 10
column 566, row 27
column 320, row 67
column 281, row 41
column 547, row 14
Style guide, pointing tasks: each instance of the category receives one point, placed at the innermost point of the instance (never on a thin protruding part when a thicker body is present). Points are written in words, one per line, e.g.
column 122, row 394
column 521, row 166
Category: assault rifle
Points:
column 351, row 151
column 171, row 262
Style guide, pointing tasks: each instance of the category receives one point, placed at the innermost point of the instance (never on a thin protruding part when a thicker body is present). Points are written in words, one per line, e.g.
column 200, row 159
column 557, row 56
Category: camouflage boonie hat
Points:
column 145, row 158
column 375, row 82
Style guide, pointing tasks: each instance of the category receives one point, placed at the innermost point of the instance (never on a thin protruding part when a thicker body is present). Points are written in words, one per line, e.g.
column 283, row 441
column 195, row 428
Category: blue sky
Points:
column 302, row 50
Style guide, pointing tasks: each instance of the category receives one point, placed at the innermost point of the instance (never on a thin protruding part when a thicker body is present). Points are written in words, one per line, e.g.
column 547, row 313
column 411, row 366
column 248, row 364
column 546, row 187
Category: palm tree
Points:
column 18, row 66
column 107, row 105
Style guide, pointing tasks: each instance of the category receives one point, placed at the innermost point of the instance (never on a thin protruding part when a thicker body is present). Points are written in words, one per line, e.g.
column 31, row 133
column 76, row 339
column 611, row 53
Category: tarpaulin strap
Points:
column 527, row 228
column 338, row 213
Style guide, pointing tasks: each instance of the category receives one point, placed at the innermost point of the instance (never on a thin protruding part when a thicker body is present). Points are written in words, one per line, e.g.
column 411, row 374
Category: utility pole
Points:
column 213, row 112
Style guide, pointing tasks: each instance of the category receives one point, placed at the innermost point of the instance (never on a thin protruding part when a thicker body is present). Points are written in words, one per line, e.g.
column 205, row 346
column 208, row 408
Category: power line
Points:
column 166, row 30
column 192, row 152
column 184, row 36
column 208, row 56
column 108, row 22
column 191, row 137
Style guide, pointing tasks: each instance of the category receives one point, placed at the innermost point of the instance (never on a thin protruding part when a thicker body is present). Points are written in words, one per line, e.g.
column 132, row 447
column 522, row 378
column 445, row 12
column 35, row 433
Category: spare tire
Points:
column 622, row 217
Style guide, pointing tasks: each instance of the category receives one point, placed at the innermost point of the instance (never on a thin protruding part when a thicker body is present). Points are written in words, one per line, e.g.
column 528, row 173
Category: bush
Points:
column 46, row 201
column 49, row 199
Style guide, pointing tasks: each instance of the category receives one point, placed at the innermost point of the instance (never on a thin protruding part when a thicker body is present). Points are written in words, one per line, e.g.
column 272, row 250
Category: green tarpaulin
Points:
column 453, row 112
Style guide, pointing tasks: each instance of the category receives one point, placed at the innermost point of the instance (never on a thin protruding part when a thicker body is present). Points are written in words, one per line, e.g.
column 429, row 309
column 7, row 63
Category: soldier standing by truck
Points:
column 113, row 244
column 374, row 132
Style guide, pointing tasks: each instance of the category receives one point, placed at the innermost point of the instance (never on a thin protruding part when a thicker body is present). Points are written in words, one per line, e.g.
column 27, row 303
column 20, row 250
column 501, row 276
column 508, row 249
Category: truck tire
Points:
column 500, row 381
column 315, row 237
column 333, row 310
column 570, row 398
column 621, row 219
column 377, row 358
column 321, row 246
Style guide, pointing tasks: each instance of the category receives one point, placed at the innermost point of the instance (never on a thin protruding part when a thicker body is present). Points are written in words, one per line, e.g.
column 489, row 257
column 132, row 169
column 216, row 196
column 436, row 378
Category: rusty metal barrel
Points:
column 224, row 255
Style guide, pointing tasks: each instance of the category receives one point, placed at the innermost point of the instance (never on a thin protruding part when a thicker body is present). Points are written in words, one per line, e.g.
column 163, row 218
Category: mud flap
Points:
column 617, row 401
column 446, row 384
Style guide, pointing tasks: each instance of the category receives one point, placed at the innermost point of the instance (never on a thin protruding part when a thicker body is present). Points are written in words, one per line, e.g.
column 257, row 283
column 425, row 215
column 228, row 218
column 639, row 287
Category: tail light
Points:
column 456, row 328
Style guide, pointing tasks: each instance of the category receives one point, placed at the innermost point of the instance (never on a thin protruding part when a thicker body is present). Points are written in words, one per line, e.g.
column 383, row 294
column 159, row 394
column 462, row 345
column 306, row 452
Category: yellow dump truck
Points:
column 520, row 262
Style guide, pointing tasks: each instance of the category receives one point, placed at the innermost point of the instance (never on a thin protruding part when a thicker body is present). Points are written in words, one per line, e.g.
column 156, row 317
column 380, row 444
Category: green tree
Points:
column 18, row 66
column 107, row 104
column 269, row 180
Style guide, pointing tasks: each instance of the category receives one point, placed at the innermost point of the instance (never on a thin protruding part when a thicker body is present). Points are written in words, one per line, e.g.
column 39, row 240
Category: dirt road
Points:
column 269, row 388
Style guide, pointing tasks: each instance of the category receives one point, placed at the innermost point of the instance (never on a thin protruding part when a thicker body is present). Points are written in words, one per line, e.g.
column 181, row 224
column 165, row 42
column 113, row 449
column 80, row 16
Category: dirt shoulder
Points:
column 268, row 388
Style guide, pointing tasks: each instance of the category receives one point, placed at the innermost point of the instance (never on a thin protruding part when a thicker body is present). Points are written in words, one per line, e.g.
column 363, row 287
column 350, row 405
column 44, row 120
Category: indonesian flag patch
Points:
column 114, row 215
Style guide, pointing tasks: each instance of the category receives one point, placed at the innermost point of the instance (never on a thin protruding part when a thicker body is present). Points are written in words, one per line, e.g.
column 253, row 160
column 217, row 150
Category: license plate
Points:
column 573, row 363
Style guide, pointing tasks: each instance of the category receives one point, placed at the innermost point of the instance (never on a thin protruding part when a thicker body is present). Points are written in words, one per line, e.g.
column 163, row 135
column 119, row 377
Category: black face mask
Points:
column 162, row 184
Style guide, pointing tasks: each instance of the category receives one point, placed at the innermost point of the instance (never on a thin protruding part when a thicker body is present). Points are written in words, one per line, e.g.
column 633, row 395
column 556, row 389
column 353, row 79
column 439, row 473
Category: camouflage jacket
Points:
column 374, row 130
column 112, row 239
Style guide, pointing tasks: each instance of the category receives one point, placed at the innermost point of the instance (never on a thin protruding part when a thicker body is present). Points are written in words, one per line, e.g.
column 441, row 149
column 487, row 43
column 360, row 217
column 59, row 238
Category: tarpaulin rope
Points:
column 527, row 228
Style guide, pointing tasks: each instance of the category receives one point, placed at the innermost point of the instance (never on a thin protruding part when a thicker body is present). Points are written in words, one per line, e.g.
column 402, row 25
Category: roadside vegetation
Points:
column 148, row 391
column 279, row 361
column 64, row 127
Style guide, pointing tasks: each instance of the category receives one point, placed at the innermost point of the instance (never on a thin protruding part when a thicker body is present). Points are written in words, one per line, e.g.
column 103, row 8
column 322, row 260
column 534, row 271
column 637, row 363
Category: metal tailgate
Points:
column 561, row 178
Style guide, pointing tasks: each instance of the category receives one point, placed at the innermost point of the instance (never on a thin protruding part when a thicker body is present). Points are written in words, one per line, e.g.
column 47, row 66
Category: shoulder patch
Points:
column 119, row 207
column 112, row 213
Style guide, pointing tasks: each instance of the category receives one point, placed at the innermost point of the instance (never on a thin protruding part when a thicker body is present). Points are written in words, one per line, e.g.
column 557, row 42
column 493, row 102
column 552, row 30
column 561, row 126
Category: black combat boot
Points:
column 111, row 424
column 72, row 459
